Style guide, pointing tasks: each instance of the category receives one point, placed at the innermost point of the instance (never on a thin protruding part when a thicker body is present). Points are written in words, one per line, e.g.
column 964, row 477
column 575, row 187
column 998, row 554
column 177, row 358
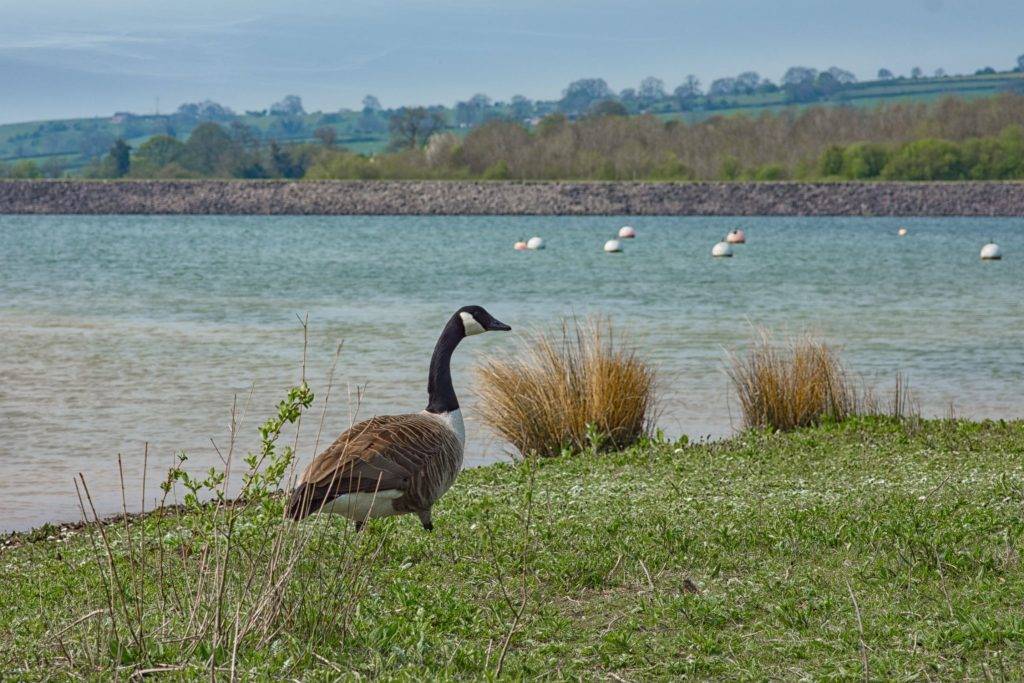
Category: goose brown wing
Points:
column 388, row 452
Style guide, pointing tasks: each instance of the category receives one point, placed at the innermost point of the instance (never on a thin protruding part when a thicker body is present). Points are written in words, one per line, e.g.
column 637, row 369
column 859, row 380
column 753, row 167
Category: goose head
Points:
column 465, row 322
column 476, row 320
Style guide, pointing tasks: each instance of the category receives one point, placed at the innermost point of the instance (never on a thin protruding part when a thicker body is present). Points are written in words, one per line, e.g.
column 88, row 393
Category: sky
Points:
column 65, row 58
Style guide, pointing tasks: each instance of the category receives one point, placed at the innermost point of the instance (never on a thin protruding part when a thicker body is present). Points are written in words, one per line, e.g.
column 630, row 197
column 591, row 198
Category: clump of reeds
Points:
column 575, row 389
column 798, row 383
column 802, row 382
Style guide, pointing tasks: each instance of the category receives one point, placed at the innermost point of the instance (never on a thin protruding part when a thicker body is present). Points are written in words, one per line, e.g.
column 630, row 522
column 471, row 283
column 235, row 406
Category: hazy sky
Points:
column 87, row 57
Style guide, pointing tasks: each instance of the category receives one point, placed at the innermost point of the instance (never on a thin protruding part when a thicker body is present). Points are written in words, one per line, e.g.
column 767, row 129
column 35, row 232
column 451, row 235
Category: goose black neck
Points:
column 440, row 392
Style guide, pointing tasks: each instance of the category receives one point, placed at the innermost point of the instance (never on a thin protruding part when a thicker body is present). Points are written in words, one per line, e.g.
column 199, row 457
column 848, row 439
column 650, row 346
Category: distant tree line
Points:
column 948, row 140
column 285, row 122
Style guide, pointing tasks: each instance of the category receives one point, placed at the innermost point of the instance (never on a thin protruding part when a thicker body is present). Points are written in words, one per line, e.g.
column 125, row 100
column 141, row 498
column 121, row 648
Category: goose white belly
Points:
column 363, row 506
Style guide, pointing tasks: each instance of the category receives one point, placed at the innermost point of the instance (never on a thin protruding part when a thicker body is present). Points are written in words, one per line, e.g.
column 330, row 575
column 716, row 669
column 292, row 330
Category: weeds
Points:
column 901, row 404
column 190, row 586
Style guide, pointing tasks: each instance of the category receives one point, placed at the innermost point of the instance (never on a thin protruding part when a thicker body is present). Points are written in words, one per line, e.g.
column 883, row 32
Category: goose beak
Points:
column 497, row 326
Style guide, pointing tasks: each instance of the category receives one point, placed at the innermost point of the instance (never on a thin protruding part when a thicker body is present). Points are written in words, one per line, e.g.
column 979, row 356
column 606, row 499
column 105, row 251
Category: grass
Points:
column 859, row 550
column 581, row 387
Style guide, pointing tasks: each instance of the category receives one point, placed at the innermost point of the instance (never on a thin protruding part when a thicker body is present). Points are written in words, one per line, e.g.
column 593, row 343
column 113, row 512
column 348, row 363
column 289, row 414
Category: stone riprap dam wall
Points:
column 510, row 198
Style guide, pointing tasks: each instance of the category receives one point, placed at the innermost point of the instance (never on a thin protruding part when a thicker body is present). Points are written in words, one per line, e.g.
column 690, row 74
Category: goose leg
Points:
column 426, row 520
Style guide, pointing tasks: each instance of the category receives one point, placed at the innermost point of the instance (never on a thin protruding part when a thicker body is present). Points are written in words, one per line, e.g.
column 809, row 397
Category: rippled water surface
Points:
column 117, row 331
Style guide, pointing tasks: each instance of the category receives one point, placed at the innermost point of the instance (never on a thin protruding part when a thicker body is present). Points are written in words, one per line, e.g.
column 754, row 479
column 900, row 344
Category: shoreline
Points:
column 60, row 531
column 510, row 198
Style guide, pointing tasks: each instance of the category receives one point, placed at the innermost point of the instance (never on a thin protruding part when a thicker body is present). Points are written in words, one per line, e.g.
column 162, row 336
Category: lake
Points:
column 118, row 331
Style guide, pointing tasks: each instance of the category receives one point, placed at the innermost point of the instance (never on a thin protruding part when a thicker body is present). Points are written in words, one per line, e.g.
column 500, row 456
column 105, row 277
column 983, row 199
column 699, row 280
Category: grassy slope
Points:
column 869, row 94
column 739, row 559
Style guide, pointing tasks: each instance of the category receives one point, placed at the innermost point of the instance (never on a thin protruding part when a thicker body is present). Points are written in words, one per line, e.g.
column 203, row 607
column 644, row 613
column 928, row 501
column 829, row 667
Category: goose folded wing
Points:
column 381, row 454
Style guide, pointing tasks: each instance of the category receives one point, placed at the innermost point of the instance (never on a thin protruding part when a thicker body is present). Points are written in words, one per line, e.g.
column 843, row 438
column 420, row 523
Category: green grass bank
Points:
column 870, row 549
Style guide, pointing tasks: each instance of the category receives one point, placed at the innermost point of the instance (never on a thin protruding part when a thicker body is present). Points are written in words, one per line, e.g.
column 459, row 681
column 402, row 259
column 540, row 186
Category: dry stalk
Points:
column 516, row 609
column 860, row 631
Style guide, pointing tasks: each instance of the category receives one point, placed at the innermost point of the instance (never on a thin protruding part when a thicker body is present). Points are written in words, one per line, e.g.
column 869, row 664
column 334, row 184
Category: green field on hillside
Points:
column 870, row 94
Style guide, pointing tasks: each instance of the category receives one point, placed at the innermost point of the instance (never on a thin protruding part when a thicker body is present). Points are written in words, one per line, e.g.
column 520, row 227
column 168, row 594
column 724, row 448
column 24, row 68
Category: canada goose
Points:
column 397, row 464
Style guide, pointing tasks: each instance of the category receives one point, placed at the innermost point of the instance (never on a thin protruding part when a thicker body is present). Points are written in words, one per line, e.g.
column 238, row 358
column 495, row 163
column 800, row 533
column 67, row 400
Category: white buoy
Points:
column 901, row 232
column 627, row 232
column 736, row 236
column 520, row 246
column 721, row 249
column 991, row 252
column 613, row 246
column 535, row 243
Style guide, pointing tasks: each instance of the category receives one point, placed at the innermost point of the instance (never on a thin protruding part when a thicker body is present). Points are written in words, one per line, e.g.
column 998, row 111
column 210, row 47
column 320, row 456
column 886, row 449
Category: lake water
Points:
column 116, row 331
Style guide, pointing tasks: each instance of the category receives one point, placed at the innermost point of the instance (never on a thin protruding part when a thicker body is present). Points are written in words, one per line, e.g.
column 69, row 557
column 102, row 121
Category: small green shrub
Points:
column 1000, row 158
column 771, row 172
column 671, row 168
column 864, row 160
column 831, row 161
column 926, row 159
column 195, row 586
column 497, row 171
column 730, row 169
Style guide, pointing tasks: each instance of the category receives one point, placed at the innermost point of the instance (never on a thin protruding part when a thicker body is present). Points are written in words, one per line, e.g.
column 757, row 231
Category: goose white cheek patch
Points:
column 470, row 324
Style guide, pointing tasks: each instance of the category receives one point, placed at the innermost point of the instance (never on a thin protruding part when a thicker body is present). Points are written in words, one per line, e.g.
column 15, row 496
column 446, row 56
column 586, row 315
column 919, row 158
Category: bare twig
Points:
column 860, row 632
column 942, row 585
column 524, row 592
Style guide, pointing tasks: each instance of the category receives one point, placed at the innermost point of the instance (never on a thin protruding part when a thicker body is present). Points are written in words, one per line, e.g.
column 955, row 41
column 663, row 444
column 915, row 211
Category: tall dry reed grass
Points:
column 797, row 383
column 802, row 381
column 582, row 387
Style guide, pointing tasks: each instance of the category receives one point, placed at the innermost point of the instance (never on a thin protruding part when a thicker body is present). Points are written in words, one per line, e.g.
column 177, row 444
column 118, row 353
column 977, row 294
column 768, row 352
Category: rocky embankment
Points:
column 511, row 198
